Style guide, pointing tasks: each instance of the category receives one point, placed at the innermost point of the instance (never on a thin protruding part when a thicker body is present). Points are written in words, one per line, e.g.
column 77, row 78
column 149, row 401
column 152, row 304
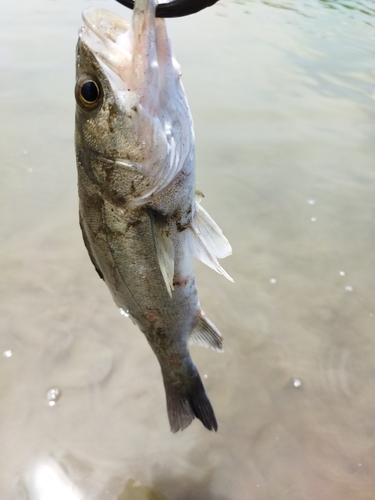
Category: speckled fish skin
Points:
column 140, row 222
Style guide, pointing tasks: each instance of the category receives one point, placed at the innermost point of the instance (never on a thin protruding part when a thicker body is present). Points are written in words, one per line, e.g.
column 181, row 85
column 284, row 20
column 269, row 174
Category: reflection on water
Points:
column 283, row 102
column 49, row 481
column 365, row 7
column 362, row 11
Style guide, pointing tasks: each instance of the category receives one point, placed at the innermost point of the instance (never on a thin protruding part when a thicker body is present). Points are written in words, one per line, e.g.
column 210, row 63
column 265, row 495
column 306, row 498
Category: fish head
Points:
column 131, row 105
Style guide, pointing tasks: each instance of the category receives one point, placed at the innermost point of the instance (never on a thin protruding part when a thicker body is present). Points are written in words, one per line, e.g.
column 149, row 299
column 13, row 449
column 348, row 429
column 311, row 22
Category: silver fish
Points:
column 139, row 213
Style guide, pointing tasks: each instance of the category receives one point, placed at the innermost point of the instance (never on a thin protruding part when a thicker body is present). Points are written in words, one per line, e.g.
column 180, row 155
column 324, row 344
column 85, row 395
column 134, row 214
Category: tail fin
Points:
column 187, row 399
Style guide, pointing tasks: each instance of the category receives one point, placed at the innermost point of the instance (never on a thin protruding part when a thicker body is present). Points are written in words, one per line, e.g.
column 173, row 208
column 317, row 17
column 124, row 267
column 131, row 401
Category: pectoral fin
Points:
column 208, row 242
column 164, row 247
column 206, row 334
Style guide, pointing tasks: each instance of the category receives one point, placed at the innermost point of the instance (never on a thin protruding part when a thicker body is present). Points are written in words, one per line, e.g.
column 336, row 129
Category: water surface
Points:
column 282, row 94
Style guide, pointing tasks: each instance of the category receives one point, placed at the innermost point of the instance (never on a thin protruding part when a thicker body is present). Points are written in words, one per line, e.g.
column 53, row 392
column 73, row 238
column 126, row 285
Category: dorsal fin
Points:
column 208, row 242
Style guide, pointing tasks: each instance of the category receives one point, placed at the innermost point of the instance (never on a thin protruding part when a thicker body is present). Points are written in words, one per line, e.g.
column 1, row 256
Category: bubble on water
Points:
column 24, row 151
column 53, row 395
column 7, row 354
column 124, row 313
column 313, row 219
column 311, row 201
column 30, row 169
column 342, row 273
column 205, row 376
column 297, row 383
column 349, row 288
column 371, row 314
column 273, row 280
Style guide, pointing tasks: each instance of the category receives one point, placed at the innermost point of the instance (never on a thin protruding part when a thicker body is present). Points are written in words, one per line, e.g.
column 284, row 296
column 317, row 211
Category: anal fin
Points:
column 206, row 334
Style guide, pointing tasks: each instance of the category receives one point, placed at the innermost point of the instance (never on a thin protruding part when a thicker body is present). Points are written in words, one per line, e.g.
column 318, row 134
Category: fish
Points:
column 140, row 214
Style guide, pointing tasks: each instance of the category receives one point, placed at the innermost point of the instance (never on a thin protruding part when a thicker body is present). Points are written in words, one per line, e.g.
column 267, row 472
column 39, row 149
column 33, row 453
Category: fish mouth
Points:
column 107, row 37
column 104, row 24
column 128, row 53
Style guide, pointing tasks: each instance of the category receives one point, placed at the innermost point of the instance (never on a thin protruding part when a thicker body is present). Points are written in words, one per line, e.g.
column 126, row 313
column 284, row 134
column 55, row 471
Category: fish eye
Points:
column 88, row 93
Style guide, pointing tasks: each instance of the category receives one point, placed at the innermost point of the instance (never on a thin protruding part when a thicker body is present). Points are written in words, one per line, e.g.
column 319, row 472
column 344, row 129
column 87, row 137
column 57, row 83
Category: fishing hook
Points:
column 176, row 8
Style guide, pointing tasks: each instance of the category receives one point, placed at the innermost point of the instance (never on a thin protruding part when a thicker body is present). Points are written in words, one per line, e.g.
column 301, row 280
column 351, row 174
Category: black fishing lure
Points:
column 176, row 8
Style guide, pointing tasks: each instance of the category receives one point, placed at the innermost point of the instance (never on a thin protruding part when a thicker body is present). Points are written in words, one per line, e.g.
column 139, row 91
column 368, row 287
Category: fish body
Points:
column 139, row 212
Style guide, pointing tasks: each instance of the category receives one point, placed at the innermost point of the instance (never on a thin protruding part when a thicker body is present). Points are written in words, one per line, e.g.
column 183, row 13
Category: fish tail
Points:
column 187, row 399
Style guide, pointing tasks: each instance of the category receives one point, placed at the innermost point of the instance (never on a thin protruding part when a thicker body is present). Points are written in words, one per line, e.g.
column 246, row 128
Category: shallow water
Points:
column 282, row 94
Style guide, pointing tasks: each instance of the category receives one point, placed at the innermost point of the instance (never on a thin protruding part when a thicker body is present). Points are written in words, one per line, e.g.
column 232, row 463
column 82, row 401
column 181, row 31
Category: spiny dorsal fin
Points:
column 164, row 248
column 206, row 334
column 208, row 242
